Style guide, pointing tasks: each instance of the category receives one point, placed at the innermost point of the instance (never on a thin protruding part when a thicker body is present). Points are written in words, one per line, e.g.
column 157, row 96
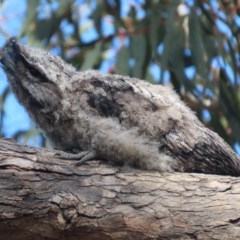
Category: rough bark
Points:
column 42, row 197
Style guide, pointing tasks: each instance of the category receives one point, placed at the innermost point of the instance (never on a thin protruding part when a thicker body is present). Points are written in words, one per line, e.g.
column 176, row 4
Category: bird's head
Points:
column 35, row 75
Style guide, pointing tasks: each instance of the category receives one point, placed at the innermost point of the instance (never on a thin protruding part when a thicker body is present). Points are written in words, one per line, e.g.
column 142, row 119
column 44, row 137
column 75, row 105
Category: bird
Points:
column 114, row 118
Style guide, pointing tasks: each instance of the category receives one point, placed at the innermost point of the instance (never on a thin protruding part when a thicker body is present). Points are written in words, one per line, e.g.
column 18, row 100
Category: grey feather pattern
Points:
column 112, row 117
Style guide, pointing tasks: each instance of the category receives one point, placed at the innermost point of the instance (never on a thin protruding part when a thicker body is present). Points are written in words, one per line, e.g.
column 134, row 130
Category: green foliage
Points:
column 78, row 30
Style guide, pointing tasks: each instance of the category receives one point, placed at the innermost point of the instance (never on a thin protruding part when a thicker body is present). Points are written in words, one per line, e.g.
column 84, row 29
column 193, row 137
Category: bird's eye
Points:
column 34, row 72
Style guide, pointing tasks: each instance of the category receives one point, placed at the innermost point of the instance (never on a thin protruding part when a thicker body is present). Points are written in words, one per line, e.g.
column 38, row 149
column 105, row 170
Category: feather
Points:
column 112, row 117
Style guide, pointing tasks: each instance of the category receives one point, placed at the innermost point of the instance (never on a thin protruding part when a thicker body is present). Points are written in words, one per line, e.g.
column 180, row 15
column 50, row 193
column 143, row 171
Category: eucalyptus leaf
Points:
column 122, row 65
column 92, row 55
column 138, row 53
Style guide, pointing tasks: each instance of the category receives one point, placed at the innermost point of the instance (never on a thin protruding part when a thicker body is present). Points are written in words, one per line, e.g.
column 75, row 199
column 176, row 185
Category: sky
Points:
column 11, row 19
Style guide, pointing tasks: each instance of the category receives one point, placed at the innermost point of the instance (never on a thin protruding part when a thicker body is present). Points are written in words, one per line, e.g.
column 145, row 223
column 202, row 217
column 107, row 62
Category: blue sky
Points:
column 11, row 21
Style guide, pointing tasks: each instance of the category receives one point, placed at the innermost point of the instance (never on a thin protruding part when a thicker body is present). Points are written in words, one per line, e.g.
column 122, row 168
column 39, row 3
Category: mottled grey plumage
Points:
column 111, row 117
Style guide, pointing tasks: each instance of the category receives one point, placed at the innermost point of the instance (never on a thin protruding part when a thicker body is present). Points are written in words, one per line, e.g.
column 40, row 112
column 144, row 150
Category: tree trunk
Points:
column 42, row 197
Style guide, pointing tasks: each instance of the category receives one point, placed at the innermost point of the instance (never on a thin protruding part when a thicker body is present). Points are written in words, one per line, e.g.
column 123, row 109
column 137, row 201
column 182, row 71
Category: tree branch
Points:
column 42, row 197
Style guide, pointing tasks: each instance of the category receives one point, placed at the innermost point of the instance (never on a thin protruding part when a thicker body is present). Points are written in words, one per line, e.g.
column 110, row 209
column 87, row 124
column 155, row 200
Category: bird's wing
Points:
column 155, row 110
column 158, row 113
